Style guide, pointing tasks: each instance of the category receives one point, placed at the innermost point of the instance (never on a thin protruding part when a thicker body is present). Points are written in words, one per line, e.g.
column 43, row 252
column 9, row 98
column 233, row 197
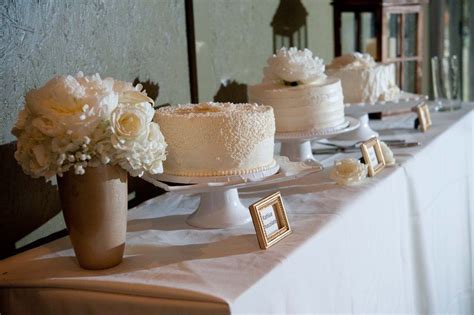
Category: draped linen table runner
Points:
column 401, row 242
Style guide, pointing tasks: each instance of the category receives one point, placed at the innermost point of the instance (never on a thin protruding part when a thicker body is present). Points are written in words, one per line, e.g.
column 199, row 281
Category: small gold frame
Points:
column 424, row 116
column 366, row 149
column 282, row 229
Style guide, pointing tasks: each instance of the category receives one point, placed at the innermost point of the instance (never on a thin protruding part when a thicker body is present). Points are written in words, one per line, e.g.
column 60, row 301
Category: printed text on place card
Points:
column 269, row 219
column 373, row 157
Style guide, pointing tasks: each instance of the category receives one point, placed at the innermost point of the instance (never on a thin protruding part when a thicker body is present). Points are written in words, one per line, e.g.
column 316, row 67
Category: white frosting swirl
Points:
column 293, row 65
column 354, row 60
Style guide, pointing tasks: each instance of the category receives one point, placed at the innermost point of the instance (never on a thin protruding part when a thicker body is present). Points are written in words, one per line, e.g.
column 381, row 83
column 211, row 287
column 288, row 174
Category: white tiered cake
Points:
column 363, row 80
column 303, row 99
column 217, row 139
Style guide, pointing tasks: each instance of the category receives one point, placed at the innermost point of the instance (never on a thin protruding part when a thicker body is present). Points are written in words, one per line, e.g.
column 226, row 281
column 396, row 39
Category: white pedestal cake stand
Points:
column 220, row 205
column 361, row 112
column 297, row 145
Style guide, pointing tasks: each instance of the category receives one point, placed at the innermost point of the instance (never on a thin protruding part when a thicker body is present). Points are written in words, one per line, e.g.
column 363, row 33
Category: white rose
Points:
column 130, row 122
column 294, row 65
column 131, row 94
column 75, row 104
column 48, row 126
column 123, row 86
column 348, row 171
column 387, row 154
column 35, row 156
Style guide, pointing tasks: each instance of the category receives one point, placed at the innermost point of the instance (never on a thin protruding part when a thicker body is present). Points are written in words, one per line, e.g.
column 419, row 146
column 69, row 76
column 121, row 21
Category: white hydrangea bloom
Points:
column 144, row 156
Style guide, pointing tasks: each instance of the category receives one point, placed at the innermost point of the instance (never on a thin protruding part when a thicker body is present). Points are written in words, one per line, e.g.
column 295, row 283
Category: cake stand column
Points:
column 219, row 209
column 297, row 151
column 364, row 132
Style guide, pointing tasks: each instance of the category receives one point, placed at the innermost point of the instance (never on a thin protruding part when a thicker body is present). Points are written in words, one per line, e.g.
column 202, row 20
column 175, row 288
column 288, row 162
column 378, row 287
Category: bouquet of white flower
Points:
column 74, row 122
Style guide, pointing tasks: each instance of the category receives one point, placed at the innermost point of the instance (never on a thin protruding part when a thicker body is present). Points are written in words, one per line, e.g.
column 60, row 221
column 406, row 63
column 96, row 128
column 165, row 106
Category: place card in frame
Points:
column 373, row 156
column 424, row 116
column 270, row 220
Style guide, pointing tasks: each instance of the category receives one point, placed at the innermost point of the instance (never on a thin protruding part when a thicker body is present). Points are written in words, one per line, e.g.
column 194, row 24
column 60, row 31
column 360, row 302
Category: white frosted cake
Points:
column 363, row 80
column 301, row 95
column 217, row 139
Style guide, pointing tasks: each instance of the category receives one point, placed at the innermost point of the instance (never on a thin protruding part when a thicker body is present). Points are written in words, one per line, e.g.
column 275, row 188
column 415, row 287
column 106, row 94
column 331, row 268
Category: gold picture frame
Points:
column 424, row 116
column 270, row 220
column 373, row 156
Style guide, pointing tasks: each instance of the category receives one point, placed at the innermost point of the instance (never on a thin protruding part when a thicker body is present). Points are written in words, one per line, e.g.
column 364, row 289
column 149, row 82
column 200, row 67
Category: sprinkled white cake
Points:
column 217, row 139
column 363, row 80
column 301, row 95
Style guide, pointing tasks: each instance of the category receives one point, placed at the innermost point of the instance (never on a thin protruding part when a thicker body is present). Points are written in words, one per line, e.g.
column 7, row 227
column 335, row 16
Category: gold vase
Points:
column 95, row 210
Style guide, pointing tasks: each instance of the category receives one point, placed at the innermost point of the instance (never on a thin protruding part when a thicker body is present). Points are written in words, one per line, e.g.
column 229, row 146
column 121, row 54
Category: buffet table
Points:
column 400, row 242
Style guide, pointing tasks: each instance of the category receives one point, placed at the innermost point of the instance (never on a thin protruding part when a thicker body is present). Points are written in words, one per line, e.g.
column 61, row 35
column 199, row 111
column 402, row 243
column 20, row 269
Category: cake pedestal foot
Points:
column 297, row 145
column 297, row 151
column 364, row 132
column 219, row 209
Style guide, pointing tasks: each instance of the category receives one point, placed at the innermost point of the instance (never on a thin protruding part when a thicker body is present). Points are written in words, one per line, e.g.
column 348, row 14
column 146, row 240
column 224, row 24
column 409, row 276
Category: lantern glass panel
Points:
column 409, row 74
column 409, row 43
column 368, row 37
column 397, row 72
column 348, row 32
column 393, row 44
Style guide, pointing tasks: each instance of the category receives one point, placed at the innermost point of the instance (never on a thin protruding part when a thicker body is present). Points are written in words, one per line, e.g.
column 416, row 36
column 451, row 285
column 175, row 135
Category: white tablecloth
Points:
column 399, row 243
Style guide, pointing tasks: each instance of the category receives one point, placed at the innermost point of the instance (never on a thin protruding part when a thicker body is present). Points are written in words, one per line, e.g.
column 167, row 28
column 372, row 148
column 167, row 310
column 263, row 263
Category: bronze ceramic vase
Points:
column 95, row 210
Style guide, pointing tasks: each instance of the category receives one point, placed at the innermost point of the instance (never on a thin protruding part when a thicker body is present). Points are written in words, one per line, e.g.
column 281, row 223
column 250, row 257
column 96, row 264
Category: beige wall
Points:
column 233, row 41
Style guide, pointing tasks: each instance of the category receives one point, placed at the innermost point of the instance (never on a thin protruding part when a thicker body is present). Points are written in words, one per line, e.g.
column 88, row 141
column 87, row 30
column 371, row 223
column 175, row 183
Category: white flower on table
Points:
column 387, row 154
column 348, row 171
column 293, row 65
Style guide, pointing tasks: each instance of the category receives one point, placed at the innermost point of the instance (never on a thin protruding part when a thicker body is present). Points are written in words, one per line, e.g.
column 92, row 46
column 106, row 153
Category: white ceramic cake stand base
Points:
column 297, row 145
column 219, row 209
column 364, row 132
column 220, row 205
column 361, row 110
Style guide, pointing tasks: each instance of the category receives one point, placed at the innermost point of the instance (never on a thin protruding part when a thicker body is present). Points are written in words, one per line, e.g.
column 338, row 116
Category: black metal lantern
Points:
column 289, row 25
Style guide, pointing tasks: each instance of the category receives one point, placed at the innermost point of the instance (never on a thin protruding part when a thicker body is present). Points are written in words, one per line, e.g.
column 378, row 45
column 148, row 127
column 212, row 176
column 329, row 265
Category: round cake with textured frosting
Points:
column 306, row 107
column 363, row 80
column 217, row 139
column 301, row 95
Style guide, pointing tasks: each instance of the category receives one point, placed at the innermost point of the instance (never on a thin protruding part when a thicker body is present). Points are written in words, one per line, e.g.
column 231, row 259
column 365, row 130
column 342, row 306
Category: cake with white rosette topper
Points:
column 363, row 80
column 303, row 98
column 217, row 139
